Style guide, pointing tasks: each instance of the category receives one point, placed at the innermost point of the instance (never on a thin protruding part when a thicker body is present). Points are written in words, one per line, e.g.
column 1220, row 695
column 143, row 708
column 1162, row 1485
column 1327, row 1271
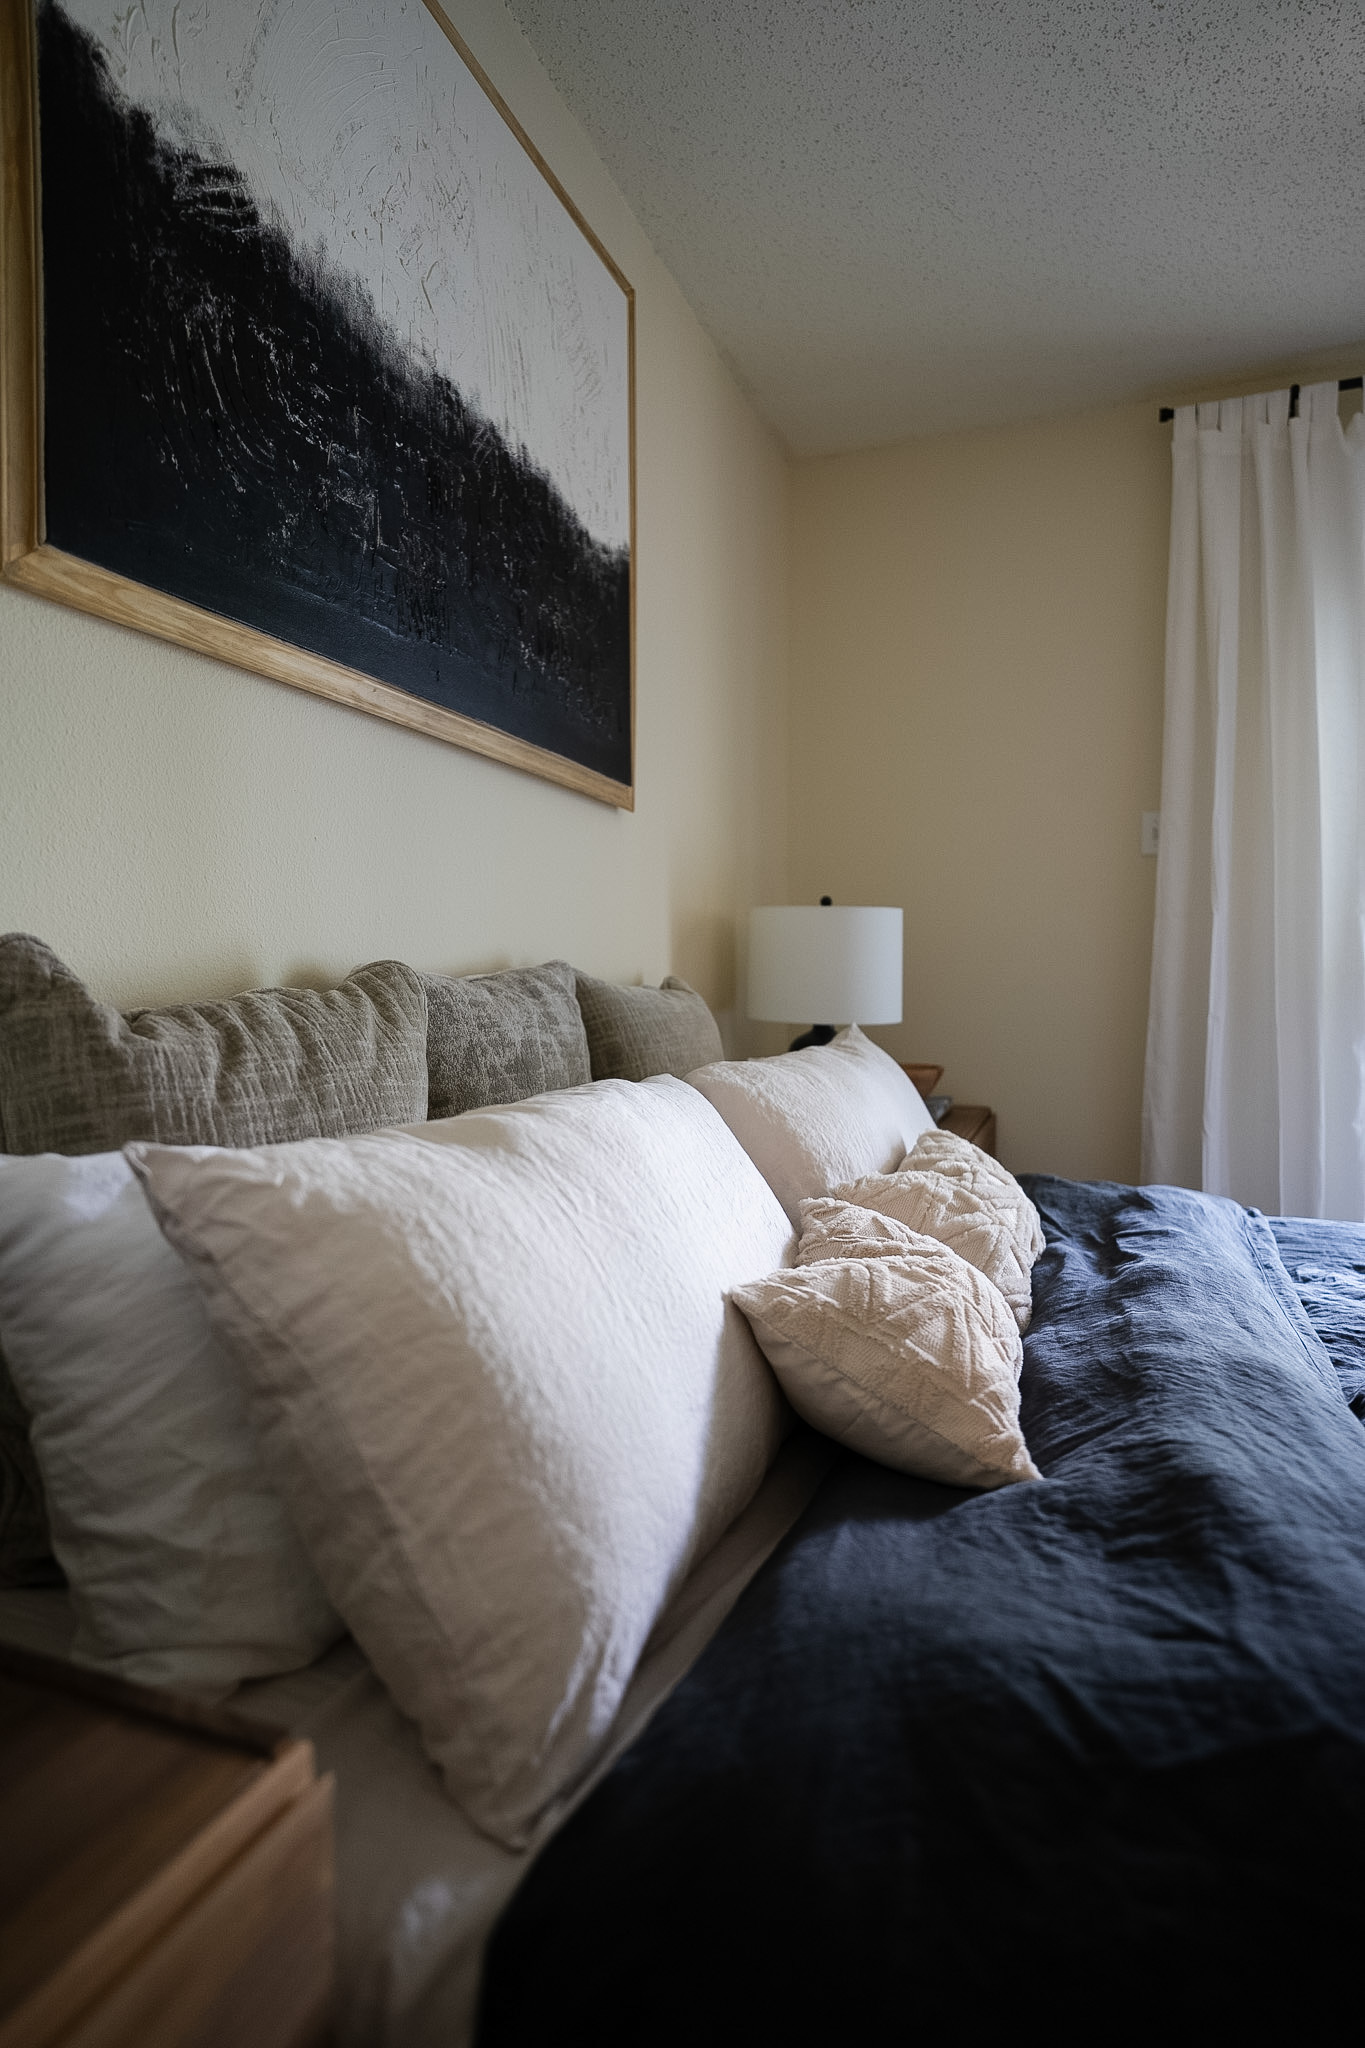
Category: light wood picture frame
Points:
column 379, row 448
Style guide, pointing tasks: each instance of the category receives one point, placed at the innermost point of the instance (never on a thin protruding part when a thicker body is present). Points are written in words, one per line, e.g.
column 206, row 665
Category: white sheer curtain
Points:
column 1255, row 1083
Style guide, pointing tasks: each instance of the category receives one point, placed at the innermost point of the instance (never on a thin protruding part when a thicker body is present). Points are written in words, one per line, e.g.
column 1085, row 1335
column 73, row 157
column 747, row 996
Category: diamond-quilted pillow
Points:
column 912, row 1360
column 944, row 1152
column 832, row 1229
column 977, row 1219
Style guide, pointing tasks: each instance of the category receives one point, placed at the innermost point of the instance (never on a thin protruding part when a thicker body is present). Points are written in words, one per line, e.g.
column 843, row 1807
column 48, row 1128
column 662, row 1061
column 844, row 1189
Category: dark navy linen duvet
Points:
column 1084, row 1758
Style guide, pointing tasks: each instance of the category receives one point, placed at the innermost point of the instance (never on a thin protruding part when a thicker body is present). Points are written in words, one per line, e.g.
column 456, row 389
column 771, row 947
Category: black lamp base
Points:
column 819, row 1034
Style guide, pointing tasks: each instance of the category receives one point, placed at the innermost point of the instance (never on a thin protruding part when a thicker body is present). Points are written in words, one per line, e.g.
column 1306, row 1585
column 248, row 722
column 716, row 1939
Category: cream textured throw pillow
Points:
column 183, row 1565
column 811, row 1119
column 833, row 1229
column 943, row 1152
column 978, row 1219
column 911, row 1359
column 497, row 1377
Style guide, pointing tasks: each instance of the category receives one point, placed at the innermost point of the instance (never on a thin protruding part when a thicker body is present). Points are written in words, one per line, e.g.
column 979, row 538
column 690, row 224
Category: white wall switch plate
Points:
column 1151, row 830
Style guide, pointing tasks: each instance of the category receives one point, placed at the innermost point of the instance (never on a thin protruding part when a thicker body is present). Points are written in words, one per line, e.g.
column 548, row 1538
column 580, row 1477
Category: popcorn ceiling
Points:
column 904, row 216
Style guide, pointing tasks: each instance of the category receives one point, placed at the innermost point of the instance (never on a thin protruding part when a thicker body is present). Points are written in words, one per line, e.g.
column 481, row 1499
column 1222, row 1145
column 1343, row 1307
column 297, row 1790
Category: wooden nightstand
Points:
column 973, row 1121
column 924, row 1074
column 970, row 1120
column 165, row 1871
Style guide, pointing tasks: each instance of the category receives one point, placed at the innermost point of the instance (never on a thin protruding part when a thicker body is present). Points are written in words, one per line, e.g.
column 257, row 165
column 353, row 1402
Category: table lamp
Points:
column 824, row 960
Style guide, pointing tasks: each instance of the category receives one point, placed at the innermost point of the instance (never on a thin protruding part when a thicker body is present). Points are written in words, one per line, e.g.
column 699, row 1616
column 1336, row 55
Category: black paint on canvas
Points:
column 227, row 420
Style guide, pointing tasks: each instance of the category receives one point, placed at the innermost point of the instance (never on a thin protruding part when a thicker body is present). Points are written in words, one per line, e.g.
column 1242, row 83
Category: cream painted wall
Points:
column 174, row 828
column 977, row 641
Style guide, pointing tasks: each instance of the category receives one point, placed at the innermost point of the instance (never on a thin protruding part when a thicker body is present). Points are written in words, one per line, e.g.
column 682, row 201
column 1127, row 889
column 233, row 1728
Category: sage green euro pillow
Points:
column 495, row 1038
column 634, row 1033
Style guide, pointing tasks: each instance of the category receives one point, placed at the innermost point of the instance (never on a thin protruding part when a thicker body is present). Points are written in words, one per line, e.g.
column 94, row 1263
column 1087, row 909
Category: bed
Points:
column 1084, row 1753
column 1090, row 1750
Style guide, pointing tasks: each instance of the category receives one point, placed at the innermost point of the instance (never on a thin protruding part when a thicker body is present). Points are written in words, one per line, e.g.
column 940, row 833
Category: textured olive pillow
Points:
column 636, row 1032
column 282, row 1063
column 495, row 1038
column 77, row 1076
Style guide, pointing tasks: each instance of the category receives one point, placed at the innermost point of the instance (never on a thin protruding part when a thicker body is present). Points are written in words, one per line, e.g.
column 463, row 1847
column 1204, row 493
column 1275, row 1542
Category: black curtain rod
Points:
column 1343, row 384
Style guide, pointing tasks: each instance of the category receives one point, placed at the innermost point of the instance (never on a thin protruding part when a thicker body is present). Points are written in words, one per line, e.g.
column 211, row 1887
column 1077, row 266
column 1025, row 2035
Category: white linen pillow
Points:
column 944, row 1152
column 814, row 1118
column 495, row 1371
column 912, row 1359
column 184, row 1568
column 980, row 1222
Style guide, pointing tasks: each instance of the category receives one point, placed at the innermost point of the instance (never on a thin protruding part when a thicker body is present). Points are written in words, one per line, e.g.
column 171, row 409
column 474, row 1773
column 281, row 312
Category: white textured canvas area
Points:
column 359, row 129
column 497, row 1376
column 183, row 1565
column 814, row 1118
column 911, row 1359
column 982, row 1222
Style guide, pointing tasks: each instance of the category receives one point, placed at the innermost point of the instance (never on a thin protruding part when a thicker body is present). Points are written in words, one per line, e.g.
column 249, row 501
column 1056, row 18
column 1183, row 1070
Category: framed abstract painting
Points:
column 310, row 363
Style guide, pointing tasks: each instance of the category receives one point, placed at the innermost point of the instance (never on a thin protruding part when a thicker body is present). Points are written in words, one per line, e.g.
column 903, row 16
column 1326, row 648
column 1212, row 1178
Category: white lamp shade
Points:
column 825, row 964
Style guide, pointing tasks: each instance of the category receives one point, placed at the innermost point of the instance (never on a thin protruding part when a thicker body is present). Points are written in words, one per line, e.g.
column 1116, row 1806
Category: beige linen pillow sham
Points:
column 494, row 1371
column 814, row 1118
column 911, row 1358
column 183, row 1565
